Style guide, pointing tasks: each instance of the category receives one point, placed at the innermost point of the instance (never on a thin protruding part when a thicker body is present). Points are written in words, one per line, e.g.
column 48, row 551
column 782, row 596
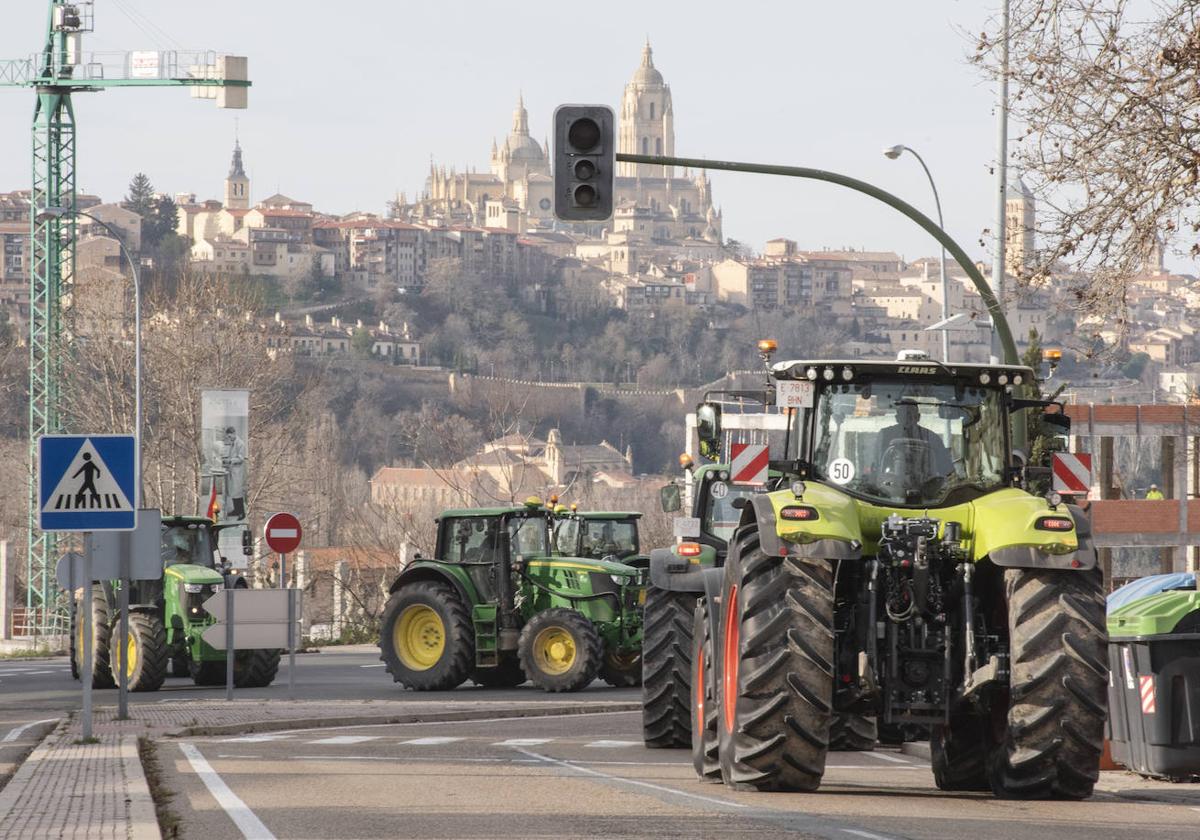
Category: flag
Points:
column 214, row 507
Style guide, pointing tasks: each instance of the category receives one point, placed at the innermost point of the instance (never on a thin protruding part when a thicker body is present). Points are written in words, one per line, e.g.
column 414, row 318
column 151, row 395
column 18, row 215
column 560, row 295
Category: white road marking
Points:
column 613, row 744
column 379, row 665
column 398, row 759
column 508, row 719
column 17, row 732
column 829, row 767
column 522, row 742
column 886, row 757
column 250, row 825
column 345, row 739
column 254, row 739
column 866, row 834
column 724, row 803
column 431, row 742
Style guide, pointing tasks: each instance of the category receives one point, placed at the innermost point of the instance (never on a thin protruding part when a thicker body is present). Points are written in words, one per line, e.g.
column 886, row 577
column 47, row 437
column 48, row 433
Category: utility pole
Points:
column 998, row 267
column 56, row 72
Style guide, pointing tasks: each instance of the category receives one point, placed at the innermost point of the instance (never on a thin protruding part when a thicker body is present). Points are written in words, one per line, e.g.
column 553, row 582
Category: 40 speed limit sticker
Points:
column 719, row 490
column 841, row 471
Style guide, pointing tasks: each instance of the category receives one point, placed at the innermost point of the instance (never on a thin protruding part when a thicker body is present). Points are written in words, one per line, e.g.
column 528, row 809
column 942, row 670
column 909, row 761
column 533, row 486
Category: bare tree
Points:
column 1108, row 94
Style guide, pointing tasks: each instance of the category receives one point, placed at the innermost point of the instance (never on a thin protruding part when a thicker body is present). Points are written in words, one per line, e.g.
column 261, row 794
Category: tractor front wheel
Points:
column 207, row 673
column 666, row 668
column 705, row 738
column 851, row 732
column 776, row 656
column 561, row 650
column 428, row 642
column 1058, row 686
column 622, row 670
column 144, row 653
column 958, row 752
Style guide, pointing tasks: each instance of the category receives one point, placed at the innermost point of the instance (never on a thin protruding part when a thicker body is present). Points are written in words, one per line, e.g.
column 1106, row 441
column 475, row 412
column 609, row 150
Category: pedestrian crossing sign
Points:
column 86, row 483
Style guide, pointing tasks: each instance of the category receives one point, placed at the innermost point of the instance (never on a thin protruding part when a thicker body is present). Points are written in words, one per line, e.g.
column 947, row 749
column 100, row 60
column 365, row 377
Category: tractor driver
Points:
column 910, row 450
column 606, row 543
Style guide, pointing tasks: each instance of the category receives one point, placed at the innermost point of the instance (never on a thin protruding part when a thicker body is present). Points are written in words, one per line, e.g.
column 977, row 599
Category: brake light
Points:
column 1055, row 523
column 799, row 513
column 688, row 549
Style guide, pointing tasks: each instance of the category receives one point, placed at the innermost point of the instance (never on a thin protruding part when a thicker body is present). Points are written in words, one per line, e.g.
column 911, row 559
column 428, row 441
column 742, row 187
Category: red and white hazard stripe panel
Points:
column 748, row 463
column 1146, row 685
column 1072, row 472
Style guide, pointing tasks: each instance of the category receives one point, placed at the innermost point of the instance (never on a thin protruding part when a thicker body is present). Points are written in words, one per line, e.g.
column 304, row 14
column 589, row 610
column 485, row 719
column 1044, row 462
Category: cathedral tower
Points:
column 647, row 120
column 1019, row 219
column 237, row 184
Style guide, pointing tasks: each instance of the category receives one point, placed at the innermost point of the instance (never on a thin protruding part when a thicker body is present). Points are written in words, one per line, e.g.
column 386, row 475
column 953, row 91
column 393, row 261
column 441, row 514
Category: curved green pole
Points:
column 960, row 256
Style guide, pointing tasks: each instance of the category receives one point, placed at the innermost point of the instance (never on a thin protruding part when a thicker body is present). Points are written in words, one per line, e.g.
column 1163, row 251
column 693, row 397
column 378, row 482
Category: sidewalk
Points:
column 72, row 790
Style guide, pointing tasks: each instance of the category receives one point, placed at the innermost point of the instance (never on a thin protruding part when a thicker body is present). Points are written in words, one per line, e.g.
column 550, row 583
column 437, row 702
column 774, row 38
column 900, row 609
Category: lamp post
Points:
column 123, row 643
column 892, row 153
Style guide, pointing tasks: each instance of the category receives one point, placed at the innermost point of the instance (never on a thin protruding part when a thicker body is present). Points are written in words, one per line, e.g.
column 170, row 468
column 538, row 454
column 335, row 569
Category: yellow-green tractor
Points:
column 901, row 570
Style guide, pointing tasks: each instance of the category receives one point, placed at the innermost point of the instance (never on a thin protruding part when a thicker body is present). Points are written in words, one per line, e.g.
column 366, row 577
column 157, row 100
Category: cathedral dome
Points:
column 647, row 74
column 524, row 147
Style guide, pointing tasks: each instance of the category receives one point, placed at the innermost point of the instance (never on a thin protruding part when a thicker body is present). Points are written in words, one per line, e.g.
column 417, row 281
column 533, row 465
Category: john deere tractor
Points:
column 496, row 605
column 167, row 618
column 901, row 571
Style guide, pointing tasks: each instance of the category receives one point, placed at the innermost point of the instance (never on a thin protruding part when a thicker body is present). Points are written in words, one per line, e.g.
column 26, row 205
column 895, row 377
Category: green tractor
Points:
column 600, row 535
column 495, row 604
column 902, row 571
column 167, row 618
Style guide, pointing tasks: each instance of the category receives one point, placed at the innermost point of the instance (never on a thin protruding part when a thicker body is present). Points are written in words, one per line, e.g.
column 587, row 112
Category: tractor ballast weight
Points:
column 903, row 571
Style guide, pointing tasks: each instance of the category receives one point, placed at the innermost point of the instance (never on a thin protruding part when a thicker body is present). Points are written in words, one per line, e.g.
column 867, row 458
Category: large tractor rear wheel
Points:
column 144, row 654
column 1058, row 686
column 561, row 650
column 255, row 668
column 958, row 752
column 705, row 738
column 211, row 672
column 507, row 674
column 101, row 633
column 622, row 670
column 852, row 732
column 776, row 684
column 667, row 668
column 428, row 642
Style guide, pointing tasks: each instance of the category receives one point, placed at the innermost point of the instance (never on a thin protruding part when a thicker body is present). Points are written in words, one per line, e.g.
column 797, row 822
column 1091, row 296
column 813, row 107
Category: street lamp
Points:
column 892, row 153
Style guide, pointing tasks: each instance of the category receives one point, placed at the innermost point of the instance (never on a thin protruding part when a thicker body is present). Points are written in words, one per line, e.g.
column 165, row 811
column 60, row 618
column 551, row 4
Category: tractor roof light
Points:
column 798, row 489
column 688, row 549
column 574, row 507
column 686, row 462
column 767, row 348
column 811, row 373
column 985, row 378
column 847, row 373
column 1002, row 379
column 1054, row 499
column 828, row 374
column 533, row 502
column 1017, row 379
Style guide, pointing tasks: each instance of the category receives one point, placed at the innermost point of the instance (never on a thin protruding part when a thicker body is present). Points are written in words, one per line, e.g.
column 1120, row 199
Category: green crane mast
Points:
column 59, row 70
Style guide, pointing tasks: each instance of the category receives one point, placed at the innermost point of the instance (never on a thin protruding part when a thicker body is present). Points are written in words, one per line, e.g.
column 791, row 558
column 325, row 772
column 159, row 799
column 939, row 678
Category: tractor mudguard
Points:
column 673, row 573
column 1006, row 532
column 437, row 572
column 829, row 538
column 1033, row 557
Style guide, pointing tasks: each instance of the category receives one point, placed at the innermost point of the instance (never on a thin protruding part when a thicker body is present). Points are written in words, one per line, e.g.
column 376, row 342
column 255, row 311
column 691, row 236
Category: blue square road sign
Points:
column 86, row 483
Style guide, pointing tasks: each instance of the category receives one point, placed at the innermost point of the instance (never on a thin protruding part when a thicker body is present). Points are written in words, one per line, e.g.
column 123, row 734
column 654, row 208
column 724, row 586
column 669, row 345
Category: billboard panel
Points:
column 225, row 459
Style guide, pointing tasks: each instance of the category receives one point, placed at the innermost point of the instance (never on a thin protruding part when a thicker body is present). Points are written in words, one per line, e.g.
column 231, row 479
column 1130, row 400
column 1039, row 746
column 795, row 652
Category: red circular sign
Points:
column 282, row 533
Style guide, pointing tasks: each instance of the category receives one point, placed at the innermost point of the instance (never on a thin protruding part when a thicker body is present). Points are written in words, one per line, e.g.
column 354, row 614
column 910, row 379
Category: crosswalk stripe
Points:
column 430, row 742
column 522, row 742
column 254, row 739
column 613, row 744
column 345, row 739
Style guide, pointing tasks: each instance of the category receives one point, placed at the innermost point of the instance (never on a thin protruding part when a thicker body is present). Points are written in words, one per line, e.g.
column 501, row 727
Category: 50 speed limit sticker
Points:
column 841, row 471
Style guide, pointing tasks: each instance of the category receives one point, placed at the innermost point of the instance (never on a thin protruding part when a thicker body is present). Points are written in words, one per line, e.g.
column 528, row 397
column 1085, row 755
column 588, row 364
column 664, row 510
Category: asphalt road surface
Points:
column 590, row 776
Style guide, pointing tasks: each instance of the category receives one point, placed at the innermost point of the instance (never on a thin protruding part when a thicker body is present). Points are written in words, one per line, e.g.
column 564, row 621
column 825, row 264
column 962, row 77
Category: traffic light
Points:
column 583, row 162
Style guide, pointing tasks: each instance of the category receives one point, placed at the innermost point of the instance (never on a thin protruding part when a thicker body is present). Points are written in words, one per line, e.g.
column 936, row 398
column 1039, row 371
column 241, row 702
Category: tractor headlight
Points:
column 620, row 580
column 193, row 587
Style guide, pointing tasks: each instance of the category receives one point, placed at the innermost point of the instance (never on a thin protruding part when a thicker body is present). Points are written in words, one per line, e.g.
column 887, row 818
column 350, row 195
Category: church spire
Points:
column 520, row 117
column 235, row 167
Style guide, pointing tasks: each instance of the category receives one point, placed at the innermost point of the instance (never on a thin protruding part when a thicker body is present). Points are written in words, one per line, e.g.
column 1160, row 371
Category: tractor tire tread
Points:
column 667, row 669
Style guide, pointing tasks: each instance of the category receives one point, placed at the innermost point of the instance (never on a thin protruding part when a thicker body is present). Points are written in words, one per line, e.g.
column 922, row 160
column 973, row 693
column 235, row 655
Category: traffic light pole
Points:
column 1007, row 345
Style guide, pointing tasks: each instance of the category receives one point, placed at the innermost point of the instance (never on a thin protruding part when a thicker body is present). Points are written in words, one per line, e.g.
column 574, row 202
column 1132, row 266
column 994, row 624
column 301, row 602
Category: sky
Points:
column 350, row 101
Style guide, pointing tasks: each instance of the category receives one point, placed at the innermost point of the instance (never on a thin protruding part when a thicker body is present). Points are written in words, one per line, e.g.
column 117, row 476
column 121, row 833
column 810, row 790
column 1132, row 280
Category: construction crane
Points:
column 56, row 72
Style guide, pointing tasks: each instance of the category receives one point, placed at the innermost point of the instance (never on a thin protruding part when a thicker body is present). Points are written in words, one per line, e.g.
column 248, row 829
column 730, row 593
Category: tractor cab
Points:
column 600, row 535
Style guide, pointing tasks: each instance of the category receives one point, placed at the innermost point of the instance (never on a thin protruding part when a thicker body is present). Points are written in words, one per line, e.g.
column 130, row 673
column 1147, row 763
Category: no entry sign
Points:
column 282, row 533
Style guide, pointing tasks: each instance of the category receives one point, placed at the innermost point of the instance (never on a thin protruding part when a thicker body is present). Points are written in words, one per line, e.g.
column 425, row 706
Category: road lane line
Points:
column 377, row 665
column 522, row 742
column 345, row 739
column 17, row 732
column 866, row 834
column 254, row 739
column 885, row 757
column 606, row 745
column 247, row 823
column 508, row 719
column 712, row 800
column 434, row 741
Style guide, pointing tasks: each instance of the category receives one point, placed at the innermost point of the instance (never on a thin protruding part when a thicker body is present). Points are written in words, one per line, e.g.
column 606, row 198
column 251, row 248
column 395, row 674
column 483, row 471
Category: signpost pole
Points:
column 283, row 570
column 85, row 669
column 123, row 640
column 293, row 594
column 230, row 653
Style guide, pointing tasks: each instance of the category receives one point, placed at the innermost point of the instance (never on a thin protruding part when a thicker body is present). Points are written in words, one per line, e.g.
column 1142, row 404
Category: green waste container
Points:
column 1154, row 684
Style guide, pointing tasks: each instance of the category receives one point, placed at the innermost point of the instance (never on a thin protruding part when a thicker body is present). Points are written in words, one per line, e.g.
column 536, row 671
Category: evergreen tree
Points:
column 141, row 195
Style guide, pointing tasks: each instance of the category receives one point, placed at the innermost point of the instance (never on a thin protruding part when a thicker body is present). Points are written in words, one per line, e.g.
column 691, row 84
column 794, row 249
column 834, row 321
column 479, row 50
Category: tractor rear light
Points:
column 688, row 549
column 799, row 513
column 1055, row 523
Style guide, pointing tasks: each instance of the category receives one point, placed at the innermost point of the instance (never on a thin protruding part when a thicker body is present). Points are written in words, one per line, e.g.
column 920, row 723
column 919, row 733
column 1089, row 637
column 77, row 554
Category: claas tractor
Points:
column 497, row 605
column 901, row 570
column 167, row 618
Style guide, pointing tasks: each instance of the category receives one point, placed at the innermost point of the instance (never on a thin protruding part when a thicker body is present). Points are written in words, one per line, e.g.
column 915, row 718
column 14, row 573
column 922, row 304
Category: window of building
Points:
column 645, row 145
column 658, row 145
column 651, row 110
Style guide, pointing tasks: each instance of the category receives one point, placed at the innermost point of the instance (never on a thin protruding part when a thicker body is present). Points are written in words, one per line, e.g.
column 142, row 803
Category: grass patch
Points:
column 90, row 740
column 32, row 653
column 168, row 820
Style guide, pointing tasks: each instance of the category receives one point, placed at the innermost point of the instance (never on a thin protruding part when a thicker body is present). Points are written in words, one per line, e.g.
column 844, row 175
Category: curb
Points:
column 412, row 717
column 917, row 749
column 139, row 806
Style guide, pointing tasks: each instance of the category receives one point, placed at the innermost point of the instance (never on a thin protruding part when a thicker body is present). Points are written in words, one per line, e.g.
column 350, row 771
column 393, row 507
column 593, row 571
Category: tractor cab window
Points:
column 566, row 532
column 720, row 518
column 601, row 538
column 181, row 544
column 472, row 539
column 529, row 536
column 909, row 443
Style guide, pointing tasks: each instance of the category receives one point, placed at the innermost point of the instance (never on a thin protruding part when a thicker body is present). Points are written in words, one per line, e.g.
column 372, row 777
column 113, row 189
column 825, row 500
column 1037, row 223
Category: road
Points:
column 590, row 776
